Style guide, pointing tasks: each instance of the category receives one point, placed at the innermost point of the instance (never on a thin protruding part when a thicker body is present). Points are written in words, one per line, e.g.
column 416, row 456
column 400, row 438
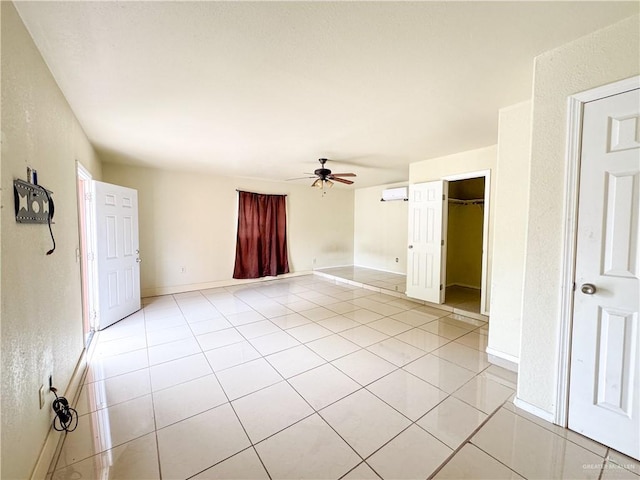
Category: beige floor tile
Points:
column 247, row 378
column 294, row 361
column 133, row 460
column 323, row 385
column 231, row 355
column 270, row 410
column 113, row 390
column 473, row 463
column 363, row 316
column 182, row 401
column 179, row 371
column 411, row 455
column 464, row 356
column 310, row 449
column 407, row 393
column 443, row 374
column 193, row 445
column 107, row 428
column 483, row 394
column 333, row 347
column 242, row 466
column 422, row 339
column 274, row 342
column 452, row 421
column 361, row 472
column 363, row 335
column 364, row 421
column 396, row 352
column 363, row 366
column 309, row 332
column 389, row 326
column 338, row 323
column 533, row 451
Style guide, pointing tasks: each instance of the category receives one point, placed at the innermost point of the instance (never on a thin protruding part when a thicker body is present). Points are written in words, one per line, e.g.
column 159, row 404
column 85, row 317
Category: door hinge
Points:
column 440, row 286
column 573, row 288
column 443, row 196
column 442, row 242
column 88, row 197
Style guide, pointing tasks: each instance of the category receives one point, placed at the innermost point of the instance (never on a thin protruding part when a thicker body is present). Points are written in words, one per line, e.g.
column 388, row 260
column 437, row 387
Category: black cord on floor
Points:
column 65, row 415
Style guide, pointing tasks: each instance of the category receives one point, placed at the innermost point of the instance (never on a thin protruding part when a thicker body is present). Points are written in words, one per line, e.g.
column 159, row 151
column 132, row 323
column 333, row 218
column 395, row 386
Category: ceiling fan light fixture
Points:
column 317, row 183
column 329, row 183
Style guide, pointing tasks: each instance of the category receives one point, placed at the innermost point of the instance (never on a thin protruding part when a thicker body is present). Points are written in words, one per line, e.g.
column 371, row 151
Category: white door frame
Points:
column 484, row 303
column 89, row 279
column 575, row 106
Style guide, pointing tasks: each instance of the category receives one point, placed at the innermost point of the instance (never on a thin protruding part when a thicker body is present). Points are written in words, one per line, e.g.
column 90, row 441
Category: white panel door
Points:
column 118, row 251
column 427, row 250
column 604, row 396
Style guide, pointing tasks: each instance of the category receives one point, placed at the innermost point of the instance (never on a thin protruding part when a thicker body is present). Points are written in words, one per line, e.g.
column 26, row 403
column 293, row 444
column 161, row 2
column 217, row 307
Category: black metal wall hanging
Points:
column 33, row 203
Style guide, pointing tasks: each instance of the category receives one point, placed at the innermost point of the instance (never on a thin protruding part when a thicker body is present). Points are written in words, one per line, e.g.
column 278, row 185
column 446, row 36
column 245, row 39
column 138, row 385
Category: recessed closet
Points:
column 465, row 225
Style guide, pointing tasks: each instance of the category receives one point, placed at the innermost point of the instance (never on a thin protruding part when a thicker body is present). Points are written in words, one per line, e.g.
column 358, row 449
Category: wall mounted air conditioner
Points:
column 390, row 194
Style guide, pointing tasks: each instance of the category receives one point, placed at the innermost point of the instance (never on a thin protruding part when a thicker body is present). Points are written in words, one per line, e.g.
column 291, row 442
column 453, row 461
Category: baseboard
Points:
column 156, row 291
column 533, row 410
column 503, row 360
column 53, row 442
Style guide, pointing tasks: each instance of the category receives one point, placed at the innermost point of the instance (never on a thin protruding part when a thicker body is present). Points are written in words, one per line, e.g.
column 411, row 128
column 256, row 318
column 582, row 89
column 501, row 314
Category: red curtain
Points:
column 261, row 248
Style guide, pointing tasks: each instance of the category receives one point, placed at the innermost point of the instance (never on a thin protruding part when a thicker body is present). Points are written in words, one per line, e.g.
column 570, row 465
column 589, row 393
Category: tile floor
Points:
column 305, row 378
column 460, row 298
column 396, row 282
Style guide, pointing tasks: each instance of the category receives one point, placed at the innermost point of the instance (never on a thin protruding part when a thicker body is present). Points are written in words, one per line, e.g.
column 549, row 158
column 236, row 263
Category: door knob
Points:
column 139, row 260
column 410, row 246
column 588, row 288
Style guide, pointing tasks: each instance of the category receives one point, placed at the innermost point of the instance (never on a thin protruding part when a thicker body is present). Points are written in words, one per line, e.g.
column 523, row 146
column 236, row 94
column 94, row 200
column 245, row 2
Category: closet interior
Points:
column 464, row 243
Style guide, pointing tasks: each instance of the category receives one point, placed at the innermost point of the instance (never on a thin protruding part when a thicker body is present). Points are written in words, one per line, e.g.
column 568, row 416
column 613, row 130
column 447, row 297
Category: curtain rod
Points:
column 257, row 193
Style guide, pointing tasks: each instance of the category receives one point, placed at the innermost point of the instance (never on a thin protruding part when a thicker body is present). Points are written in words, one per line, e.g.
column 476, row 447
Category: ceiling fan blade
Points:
column 341, row 180
column 343, row 174
column 299, row 178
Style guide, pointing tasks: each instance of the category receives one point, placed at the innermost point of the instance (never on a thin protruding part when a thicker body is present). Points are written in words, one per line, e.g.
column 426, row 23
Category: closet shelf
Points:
column 473, row 201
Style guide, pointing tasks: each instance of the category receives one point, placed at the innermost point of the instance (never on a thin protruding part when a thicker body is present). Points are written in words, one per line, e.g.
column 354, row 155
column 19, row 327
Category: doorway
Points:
column 599, row 335
column 465, row 222
column 86, row 226
column 428, row 238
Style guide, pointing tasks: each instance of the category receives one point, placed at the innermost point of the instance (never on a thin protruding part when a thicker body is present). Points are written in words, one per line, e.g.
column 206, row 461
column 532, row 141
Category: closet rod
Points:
column 475, row 201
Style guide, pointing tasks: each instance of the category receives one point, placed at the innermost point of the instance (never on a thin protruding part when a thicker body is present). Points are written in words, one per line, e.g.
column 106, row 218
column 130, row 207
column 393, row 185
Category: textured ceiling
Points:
column 263, row 89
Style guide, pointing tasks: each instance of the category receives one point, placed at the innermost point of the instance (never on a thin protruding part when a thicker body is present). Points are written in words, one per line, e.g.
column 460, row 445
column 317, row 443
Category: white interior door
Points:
column 604, row 395
column 118, row 251
column 426, row 258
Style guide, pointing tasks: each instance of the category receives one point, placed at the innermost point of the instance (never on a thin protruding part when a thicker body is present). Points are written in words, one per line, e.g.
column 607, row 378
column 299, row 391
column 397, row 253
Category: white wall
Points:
column 600, row 58
column 464, row 245
column 459, row 163
column 380, row 230
column 509, row 240
column 41, row 302
column 190, row 220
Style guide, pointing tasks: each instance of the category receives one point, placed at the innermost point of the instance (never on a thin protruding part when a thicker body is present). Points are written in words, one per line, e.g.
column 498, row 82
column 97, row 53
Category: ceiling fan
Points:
column 324, row 177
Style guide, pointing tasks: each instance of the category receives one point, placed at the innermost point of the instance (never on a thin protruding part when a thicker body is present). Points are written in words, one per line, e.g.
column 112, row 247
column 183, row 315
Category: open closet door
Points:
column 427, row 250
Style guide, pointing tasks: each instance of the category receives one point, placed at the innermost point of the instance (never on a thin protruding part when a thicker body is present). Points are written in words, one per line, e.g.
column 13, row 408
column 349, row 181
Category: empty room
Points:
column 320, row 240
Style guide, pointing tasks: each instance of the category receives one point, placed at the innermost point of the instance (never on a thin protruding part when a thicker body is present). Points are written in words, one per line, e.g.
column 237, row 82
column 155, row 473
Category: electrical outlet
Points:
column 183, row 269
column 43, row 393
column 396, row 259
column 314, row 261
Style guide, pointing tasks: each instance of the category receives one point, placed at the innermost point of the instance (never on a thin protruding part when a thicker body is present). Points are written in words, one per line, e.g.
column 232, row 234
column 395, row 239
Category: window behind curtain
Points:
column 261, row 247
